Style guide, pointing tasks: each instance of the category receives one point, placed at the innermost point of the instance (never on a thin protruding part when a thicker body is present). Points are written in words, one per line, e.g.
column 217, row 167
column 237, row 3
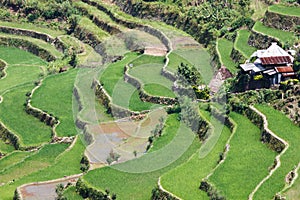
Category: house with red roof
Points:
column 273, row 64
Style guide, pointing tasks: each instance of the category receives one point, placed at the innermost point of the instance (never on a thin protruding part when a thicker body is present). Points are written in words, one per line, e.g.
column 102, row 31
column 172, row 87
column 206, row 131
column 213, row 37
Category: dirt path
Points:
column 162, row 189
column 278, row 162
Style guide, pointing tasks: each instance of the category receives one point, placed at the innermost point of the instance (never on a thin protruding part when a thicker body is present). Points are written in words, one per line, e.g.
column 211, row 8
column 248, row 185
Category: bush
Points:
column 84, row 164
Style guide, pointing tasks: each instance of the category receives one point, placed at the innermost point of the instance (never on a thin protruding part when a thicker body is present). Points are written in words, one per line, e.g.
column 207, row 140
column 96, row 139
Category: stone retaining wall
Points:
column 28, row 46
column 266, row 137
column 103, row 25
column 114, row 110
column 7, row 135
column 237, row 57
column 2, row 69
column 261, row 41
column 282, row 22
column 164, row 72
column 59, row 45
column 132, row 25
column 48, row 119
column 144, row 96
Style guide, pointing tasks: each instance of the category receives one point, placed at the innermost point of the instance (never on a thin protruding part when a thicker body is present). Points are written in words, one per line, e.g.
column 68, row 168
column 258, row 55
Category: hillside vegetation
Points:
column 117, row 98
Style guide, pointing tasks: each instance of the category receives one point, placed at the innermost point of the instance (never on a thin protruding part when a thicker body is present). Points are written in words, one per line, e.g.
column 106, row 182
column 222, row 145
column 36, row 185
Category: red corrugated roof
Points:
column 286, row 69
column 276, row 60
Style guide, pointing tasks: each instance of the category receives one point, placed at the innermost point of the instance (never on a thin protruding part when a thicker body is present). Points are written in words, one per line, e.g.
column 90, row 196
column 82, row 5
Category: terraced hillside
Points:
column 112, row 100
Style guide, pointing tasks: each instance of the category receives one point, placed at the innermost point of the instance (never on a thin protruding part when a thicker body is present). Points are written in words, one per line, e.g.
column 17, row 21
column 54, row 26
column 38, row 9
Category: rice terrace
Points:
column 149, row 99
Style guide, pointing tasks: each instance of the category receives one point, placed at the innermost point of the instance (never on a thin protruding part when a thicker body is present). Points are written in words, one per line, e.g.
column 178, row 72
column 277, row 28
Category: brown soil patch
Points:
column 184, row 42
column 155, row 51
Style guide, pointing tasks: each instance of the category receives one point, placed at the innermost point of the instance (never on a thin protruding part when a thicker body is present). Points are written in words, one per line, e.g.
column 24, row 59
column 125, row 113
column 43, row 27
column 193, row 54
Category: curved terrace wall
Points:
column 48, row 119
column 102, row 24
column 144, row 96
column 105, row 100
column 59, row 45
column 131, row 25
column 28, row 46
column 266, row 137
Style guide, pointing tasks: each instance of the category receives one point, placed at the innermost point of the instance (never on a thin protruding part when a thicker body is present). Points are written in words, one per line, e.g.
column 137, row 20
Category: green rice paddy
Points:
column 224, row 49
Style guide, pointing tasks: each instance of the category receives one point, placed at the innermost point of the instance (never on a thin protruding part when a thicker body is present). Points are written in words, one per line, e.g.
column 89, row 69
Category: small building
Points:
column 273, row 64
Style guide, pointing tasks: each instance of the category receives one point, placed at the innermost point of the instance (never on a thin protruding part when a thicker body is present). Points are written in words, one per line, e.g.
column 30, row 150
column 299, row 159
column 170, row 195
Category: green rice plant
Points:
column 200, row 59
column 13, row 56
column 285, row 10
column 175, row 61
column 284, row 128
column 70, row 193
column 93, row 11
column 90, row 27
column 122, row 93
column 6, row 148
column 138, row 185
column 158, row 90
column 30, row 130
column 91, row 111
column 168, row 133
column 13, row 88
column 58, row 100
column 37, row 161
column 224, row 49
column 33, row 27
column 282, row 36
column 184, row 180
column 114, row 72
column 148, row 70
column 57, row 162
column 135, row 102
column 246, row 164
column 42, row 44
column 13, row 159
column 241, row 43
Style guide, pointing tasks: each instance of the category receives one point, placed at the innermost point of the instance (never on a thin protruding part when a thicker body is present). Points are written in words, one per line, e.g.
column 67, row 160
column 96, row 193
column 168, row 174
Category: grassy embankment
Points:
column 121, row 180
column 184, row 180
column 224, row 49
column 284, row 128
column 246, row 164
